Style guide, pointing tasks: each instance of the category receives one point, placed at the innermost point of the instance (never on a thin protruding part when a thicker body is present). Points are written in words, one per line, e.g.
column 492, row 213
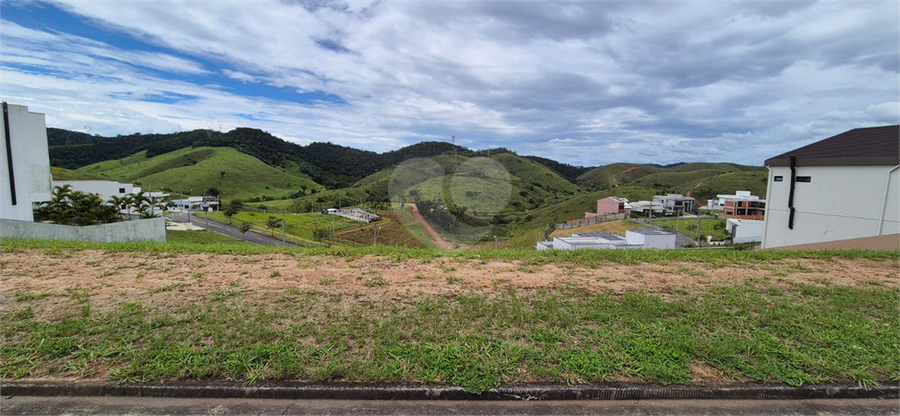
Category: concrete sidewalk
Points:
column 147, row 406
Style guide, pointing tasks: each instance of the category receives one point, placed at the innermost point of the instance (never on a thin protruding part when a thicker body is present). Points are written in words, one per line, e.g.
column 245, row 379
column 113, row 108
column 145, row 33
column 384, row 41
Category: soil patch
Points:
column 58, row 282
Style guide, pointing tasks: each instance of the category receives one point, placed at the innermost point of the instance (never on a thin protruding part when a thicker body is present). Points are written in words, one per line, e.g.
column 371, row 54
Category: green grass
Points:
column 798, row 335
column 298, row 227
column 589, row 258
column 726, row 183
column 194, row 170
column 706, row 227
column 60, row 174
column 199, row 237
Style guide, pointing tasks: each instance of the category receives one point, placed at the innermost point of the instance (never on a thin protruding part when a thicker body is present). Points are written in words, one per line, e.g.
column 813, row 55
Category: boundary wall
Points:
column 151, row 229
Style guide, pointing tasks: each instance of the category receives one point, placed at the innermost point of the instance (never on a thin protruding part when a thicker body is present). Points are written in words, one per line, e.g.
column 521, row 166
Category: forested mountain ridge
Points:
column 331, row 165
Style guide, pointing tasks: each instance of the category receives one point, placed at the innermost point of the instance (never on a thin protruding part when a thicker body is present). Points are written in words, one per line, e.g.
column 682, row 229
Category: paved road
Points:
column 67, row 405
column 228, row 230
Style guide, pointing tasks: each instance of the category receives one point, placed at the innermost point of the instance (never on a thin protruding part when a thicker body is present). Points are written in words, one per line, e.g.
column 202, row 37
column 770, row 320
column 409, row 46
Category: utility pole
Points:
column 496, row 243
column 282, row 227
column 206, row 212
column 375, row 241
column 698, row 230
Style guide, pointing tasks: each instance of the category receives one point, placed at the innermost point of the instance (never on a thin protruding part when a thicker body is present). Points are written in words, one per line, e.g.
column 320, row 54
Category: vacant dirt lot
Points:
column 59, row 283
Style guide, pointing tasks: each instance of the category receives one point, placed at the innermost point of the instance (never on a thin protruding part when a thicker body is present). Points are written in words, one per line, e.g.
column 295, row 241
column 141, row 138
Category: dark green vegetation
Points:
column 759, row 330
column 268, row 173
column 69, row 207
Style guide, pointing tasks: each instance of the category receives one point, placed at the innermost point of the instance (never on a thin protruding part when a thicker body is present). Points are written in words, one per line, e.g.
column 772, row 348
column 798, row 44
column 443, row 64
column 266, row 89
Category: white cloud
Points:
column 647, row 82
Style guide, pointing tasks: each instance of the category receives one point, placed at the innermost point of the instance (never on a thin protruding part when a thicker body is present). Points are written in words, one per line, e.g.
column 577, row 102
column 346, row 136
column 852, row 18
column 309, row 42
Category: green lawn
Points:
column 299, row 227
column 752, row 332
column 199, row 237
column 760, row 330
column 688, row 226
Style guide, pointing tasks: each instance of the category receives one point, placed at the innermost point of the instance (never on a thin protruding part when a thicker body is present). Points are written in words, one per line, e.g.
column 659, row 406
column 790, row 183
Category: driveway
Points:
column 229, row 230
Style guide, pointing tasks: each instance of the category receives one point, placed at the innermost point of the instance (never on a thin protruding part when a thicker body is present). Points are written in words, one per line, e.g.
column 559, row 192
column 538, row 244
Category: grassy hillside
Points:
column 479, row 183
column 616, row 174
column 396, row 228
column 727, row 183
column 61, row 174
column 194, row 170
column 672, row 179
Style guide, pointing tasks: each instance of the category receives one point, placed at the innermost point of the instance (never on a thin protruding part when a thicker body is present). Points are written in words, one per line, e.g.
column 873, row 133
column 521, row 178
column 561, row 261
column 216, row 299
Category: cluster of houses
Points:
column 806, row 206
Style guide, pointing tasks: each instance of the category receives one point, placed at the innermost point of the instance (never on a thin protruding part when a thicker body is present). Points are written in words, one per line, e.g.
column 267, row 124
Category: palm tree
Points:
column 120, row 204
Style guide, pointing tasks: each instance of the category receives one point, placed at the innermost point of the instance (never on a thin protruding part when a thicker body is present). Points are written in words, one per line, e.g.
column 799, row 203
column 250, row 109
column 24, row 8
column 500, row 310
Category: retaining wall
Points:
column 588, row 221
column 151, row 229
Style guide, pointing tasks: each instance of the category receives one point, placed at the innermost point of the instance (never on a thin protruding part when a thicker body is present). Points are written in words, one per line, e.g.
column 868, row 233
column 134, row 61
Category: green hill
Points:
column 61, row 174
column 668, row 180
column 726, row 183
column 616, row 174
column 194, row 170
column 477, row 184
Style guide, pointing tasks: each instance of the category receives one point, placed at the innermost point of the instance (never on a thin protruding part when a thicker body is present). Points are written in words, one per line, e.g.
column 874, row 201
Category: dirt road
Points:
column 435, row 237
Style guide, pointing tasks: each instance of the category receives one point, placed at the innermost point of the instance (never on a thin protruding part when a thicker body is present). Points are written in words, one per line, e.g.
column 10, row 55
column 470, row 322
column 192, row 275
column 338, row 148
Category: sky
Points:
column 586, row 83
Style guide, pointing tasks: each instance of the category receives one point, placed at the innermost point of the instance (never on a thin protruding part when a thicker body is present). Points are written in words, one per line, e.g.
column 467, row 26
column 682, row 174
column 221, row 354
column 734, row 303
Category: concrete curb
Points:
column 419, row 392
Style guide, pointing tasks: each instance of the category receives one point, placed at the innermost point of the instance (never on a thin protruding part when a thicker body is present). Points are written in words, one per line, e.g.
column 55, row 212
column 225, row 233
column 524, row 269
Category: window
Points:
column 121, row 190
column 778, row 178
column 803, row 179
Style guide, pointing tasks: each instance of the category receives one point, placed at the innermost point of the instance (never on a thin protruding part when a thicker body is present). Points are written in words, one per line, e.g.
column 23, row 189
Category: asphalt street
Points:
column 68, row 405
column 226, row 229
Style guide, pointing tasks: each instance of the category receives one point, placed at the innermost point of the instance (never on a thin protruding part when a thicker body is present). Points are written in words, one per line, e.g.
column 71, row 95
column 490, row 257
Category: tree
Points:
column 213, row 192
column 120, row 203
column 245, row 226
column 222, row 173
column 144, row 205
column 68, row 207
column 272, row 223
column 320, row 234
column 230, row 211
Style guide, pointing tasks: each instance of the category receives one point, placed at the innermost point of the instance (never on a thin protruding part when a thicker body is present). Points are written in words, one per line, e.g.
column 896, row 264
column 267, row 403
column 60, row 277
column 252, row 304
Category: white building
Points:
column 104, row 189
column 25, row 163
column 845, row 187
column 634, row 239
column 196, row 203
column 646, row 207
column 745, row 231
column 675, row 202
column 107, row 189
column 650, row 239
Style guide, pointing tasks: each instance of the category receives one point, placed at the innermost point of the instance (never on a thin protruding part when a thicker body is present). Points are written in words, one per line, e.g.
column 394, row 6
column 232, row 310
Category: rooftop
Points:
column 650, row 232
column 605, row 236
column 862, row 146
